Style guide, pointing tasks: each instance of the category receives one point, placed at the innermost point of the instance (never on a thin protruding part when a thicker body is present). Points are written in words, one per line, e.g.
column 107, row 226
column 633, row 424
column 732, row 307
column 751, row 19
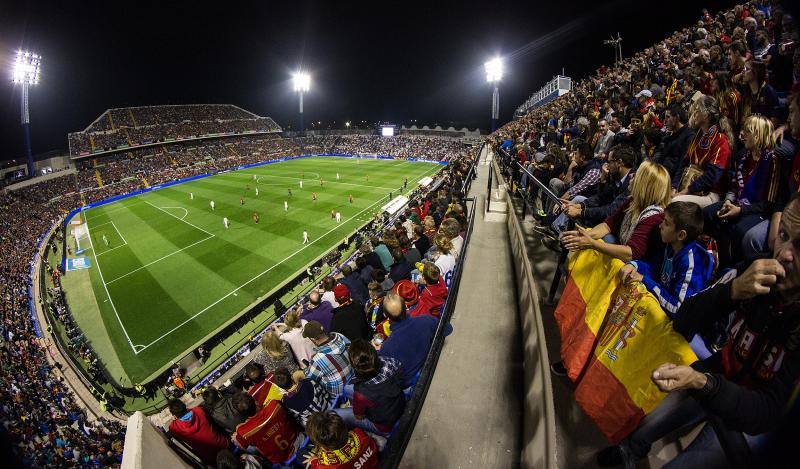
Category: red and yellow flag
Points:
column 612, row 337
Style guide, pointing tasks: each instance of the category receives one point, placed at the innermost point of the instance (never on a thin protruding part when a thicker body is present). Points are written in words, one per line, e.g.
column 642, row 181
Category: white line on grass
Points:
column 100, row 271
column 119, row 233
column 185, row 212
column 159, row 259
column 178, row 218
column 233, row 292
column 109, row 250
column 326, row 182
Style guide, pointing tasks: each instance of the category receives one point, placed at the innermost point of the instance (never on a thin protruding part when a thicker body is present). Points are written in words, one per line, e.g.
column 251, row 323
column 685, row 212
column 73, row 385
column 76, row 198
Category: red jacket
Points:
column 196, row 431
column 431, row 300
column 271, row 431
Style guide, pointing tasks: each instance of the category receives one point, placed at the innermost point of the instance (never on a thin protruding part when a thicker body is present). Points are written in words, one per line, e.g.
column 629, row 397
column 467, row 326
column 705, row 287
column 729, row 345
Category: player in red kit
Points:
column 351, row 198
column 255, row 217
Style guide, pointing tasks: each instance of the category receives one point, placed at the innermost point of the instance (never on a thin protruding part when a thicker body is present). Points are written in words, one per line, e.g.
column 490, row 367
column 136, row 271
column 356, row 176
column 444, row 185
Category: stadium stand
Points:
column 708, row 118
column 708, row 122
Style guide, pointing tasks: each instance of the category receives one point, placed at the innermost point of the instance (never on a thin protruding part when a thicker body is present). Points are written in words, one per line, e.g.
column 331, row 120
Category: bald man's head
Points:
column 314, row 298
column 394, row 307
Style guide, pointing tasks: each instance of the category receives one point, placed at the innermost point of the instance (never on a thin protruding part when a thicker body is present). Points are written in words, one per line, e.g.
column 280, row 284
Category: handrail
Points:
column 396, row 447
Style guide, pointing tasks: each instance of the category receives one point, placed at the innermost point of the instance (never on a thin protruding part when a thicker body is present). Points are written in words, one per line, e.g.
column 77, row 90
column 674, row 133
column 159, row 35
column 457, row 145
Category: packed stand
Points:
column 132, row 127
column 682, row 161
column 329, row 383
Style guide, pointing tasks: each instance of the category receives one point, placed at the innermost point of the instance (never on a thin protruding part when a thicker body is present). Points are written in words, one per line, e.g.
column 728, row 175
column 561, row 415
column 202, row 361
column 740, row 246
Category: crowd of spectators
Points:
column 40, row 418
column 339, row 368
column 133, row 127
column 682, row 161
column 403, row 146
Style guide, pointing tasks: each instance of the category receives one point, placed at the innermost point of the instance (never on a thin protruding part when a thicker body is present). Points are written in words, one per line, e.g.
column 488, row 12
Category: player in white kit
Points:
column 305, row 237
column 212, row 205
column 301, row 184
column 256, row 191
column 337, row 176
column 338, row 217
column 191, row 195
column 285, row 206
column 225, row 222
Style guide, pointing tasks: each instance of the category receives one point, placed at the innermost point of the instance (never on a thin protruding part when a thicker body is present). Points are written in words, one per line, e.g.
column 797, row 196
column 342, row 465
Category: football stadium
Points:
column 313, row 235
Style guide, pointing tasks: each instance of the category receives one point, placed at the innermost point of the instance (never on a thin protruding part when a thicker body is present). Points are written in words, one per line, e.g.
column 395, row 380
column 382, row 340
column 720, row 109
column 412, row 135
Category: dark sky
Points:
column 382, row 60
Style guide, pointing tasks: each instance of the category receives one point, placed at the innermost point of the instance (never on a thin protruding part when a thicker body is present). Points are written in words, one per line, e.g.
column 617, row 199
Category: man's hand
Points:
column 628, row 274
column 577, row 240
column 307, row 458
column 670, row 377
column 729, row 211
column 573, row 210
column 758, row 279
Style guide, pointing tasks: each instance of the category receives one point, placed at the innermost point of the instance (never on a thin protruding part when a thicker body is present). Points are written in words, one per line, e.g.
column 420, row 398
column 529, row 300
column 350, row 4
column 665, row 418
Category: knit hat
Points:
column 647, row 93
column 408, row 291
column 341, row 293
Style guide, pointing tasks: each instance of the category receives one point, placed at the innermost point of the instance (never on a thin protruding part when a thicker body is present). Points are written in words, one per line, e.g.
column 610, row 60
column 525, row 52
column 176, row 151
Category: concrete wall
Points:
column 146, row 447
column 539, row 428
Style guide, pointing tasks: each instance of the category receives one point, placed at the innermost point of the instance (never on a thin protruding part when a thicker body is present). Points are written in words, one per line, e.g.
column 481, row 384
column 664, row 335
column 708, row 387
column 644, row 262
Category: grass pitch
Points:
column 166, row 274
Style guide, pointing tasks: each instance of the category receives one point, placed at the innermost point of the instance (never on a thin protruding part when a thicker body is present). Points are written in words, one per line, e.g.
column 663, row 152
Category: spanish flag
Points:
column 613, row 336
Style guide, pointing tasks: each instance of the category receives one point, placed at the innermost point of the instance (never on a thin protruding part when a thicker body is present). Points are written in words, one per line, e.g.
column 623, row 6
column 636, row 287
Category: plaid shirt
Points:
column 589, row 180
column 330, row 366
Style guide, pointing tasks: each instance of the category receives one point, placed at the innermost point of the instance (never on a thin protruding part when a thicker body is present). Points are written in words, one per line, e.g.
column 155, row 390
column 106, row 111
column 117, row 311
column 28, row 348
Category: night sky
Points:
column 376, row 61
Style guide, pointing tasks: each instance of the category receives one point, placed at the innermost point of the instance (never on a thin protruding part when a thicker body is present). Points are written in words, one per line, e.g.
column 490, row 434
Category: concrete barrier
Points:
column 539, row 428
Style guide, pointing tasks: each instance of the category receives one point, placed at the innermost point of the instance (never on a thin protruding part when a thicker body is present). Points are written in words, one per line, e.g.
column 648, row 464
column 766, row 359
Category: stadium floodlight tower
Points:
column 26, row 73
column 494, row 73
column 302, row 83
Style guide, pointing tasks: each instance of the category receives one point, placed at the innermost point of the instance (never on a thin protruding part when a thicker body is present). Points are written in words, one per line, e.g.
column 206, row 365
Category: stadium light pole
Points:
column 494, row 73
column 302, row 83
column 26, row 73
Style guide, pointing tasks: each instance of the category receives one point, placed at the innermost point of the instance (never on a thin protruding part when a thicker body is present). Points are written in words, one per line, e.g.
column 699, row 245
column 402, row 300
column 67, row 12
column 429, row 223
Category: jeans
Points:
column 558, row 187
column 349, row 417
column 677, row 410
column 705, row 451
column 560, row 223
column 754, row 241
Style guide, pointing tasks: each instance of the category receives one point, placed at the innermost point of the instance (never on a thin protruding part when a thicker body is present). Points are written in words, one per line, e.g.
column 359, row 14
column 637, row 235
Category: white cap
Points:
column 647, row 93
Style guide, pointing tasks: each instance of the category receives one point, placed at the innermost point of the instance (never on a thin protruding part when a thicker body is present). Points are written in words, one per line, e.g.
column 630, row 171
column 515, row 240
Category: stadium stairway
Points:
column 472, row 415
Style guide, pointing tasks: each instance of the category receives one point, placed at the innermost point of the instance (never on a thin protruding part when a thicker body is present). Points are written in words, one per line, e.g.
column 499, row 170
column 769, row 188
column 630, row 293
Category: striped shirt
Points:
column 330, row 366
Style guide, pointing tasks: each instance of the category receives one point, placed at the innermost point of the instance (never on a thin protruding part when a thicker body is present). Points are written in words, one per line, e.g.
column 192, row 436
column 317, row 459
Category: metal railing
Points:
column 396, row 447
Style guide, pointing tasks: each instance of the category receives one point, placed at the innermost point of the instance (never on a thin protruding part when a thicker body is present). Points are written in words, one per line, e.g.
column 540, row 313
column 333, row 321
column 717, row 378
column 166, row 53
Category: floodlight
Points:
column 302, row 82
column 26, row 68
column 494, row 70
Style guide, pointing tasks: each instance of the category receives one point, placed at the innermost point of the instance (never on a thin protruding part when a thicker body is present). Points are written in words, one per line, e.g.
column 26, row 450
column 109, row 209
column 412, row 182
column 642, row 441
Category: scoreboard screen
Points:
column 387, row 130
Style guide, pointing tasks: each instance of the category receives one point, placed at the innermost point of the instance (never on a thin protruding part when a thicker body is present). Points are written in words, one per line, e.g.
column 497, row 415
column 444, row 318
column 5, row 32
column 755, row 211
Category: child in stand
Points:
column 688, row 267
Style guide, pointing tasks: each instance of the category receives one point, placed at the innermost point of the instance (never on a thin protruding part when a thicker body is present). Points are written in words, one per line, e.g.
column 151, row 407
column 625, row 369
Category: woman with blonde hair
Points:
column 291, row 331
column 634, row 226
column 275, row 353
column 753, row 190
column 430, row 228
column 446, row 259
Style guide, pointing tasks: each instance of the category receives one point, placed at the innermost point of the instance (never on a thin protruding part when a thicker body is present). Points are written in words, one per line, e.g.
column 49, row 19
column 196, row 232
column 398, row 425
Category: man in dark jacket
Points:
column 221, row 410
column 614, row 190
column 349, row 318
column 747, row 384
column 356, row 286
column 318, row 310
column 677, row 141
column 401, row 269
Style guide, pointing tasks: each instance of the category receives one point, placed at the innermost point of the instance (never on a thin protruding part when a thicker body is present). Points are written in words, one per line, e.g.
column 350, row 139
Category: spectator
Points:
column 318, row 310
column 604, row 138
column 372, row 258
column 349, row 319
column 221, row 410
column 400, row 269
column 410, row 337
column 677, row 141
column 330, row 365
column 434, row 292
column 376, row 391
column 687, row 268
column 381, row 249
column 374, row 307
column 261, row 388
column 634, row 223
column 292, row 333
column 275, row 353
column 421, row 242
column 582, row 176
column 302, row 396
column 194, row 428
column 356, row 287
column 327, row 287
column 269, row 430
column 701, row 172
column 748, row 395
column 364, row 270
column 336, row 447
column 445, row 260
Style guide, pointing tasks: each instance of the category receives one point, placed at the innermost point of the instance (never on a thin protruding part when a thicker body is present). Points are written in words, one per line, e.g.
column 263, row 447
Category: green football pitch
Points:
column 166, row 273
